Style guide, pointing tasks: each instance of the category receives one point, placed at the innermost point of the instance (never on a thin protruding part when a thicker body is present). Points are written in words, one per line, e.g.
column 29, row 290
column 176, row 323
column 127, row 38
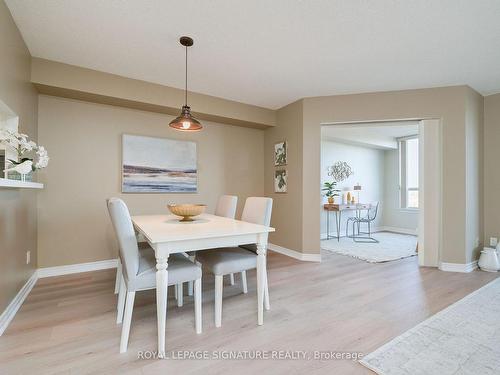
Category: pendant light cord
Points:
column 186, row 91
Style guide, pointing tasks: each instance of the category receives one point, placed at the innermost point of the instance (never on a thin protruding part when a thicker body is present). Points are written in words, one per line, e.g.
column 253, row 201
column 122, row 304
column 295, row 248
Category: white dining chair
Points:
column 139, row 270
column 143, row 248
column 226, row 207
column 225, row 261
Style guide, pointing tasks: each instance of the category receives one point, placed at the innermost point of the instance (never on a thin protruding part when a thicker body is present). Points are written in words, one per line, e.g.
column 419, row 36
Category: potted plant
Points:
column 330, row 191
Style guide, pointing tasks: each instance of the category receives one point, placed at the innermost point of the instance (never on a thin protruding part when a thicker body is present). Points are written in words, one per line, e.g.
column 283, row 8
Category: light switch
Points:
column 493, row 241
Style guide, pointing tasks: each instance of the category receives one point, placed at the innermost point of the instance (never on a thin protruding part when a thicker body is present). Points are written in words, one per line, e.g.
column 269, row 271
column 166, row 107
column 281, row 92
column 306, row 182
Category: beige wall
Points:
column 491, row 167
column 17, row 207
column 287, row 208
column 447, row 104
column 71, row 81
column 84, row 140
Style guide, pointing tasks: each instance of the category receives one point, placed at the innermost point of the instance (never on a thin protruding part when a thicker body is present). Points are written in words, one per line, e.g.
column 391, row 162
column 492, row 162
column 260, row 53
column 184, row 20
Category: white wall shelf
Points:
column 13, row 184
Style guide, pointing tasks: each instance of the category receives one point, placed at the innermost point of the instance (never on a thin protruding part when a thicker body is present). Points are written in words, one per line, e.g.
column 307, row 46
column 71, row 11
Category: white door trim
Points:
column 430, row 197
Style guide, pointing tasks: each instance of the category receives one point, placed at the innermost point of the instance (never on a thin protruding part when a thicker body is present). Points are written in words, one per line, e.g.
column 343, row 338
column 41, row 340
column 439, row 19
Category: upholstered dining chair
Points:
column 226, row 207
column 229, row 260
column 139, row 270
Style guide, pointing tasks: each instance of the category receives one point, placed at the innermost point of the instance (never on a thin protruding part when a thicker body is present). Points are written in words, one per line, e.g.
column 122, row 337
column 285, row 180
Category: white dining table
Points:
column 167, row 235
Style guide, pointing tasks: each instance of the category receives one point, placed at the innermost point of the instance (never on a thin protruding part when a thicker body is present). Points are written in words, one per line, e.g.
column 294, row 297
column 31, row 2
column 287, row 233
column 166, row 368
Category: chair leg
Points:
column 118, row 276
column 127, row 319
column 231, row 278
column 244, row 281
column 267, row 306
column 192, row 258
column 121, row 301
column 197, row 306
column 219, row 281
column 180, row 295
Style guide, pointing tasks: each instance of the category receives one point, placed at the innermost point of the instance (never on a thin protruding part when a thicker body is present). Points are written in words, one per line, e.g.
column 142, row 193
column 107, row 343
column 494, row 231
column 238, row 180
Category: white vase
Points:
column 488, row 261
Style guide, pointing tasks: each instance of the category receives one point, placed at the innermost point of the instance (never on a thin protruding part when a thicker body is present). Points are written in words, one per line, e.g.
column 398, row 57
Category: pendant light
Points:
column 186, row 122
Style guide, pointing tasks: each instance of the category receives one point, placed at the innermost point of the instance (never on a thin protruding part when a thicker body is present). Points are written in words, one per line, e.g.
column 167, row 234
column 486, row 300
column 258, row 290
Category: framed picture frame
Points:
column 158, row 165
column 280, row 180
column 280, row 154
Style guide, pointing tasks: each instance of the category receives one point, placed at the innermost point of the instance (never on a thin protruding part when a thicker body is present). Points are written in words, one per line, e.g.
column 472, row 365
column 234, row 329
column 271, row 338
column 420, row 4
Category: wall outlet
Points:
column 493, row 241
column 28, row 257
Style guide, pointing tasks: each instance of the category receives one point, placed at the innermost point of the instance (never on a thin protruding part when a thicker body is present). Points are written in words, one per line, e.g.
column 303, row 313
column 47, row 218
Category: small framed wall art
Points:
column 280, row 180
column 280, row 153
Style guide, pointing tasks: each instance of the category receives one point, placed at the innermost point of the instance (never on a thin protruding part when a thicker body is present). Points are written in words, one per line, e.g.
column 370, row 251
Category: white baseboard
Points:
column 16, row 303
column 380, row 229
column 18, row 300
column 77, row 268
column 413, row 232
column 294, row 254
column 458, row 267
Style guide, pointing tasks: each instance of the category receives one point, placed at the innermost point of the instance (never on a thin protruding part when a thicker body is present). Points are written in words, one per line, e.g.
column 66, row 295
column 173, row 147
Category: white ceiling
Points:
column 270, row 53
column 381, row 135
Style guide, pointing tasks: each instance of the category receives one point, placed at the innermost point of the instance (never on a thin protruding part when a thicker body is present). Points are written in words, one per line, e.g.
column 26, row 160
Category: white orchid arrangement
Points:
column 22, row 144
column 340, row 171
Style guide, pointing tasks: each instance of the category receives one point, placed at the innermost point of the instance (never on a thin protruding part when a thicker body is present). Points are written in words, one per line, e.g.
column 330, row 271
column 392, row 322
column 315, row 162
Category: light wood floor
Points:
column 67, row 324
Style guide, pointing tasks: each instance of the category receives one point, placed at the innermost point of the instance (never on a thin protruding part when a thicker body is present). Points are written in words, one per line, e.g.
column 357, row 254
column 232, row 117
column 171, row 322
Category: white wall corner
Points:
column 294, row 254
column 458, row 267
column 77, row 268
column 16, row 303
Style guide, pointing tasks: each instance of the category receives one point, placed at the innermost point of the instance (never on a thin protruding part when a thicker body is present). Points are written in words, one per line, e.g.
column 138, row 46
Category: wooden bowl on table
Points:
column 187, row 211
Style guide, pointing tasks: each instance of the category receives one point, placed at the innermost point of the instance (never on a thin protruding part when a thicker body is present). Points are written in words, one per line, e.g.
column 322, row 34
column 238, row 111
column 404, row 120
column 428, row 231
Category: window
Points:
column 408, row 171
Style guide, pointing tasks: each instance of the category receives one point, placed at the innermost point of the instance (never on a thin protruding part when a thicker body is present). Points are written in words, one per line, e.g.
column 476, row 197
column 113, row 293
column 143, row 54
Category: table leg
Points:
column 338, row 217
column 261, row 269
column 161, row 301
column 327, row 225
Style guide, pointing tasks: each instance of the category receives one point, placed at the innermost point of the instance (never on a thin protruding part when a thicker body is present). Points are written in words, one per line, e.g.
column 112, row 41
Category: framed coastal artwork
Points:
column 280, row 153
column 158, row 165
column 280, row 180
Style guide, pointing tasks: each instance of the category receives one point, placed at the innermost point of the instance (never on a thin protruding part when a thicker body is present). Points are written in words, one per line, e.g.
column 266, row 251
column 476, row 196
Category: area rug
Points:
column 462, row 339
column 391, row 246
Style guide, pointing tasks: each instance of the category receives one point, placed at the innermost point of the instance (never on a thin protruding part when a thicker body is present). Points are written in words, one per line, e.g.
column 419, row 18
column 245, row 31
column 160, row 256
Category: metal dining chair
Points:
column 357, row 220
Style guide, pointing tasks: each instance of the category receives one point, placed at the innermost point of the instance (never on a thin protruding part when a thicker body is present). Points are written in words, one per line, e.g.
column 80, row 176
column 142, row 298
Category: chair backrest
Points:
column 124, row 229
column 258, row 210
column 226, row 206
column 372, row 212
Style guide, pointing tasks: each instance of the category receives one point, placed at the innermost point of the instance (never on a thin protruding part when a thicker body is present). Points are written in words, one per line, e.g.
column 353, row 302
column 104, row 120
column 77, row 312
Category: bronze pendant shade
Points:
column 186, row 122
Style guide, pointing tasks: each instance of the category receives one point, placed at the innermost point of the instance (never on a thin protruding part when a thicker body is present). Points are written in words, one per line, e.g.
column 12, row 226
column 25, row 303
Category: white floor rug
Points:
column 392, row 246
column 462, row 339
